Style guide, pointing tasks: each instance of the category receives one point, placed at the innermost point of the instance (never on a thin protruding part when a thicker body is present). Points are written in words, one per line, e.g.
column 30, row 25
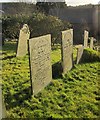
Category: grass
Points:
column 76, row 95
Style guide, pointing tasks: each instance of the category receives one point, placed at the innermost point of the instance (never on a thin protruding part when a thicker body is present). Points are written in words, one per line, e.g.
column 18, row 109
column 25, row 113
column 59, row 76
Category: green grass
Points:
column 9, row 49
column 76, row 95
column 56, row 56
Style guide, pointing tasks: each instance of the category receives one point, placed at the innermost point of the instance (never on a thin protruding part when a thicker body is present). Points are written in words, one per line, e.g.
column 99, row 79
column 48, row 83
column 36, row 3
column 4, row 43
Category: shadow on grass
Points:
column 18, row 98
column 8, row 57
column 90, row 56
column 57, row 70
column 10, row 47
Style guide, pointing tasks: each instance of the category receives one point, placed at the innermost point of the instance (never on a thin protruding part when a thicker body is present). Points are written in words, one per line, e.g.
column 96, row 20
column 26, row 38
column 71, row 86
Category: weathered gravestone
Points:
column 91, row 42
column 80, row 49
column 22, row 43
column 67, row 50
column 40, row 60
column 86, row 34
column 2, row 106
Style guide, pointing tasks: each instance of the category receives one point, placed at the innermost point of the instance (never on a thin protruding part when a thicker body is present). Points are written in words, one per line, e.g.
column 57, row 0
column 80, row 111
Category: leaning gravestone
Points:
column 86, row 34
column 40, row 60
column 22, row 43
column 67, row 50
column 80, row 49
column 91, row 42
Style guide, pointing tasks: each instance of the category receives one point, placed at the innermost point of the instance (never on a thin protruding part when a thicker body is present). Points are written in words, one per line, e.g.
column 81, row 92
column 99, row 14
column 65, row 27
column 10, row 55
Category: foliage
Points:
column 18, row 8
column 39, row 24
column 46, row 6
column 90, row 55
column 74, row 96
column 56, row 54
column 11, row 25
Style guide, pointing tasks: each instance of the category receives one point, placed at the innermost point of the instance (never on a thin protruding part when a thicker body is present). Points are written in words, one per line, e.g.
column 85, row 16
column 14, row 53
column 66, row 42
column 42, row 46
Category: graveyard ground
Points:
column 74, row 95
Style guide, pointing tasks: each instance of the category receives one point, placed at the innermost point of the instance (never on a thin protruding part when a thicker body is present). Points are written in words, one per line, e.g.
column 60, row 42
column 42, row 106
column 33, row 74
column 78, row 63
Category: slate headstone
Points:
column 22, row 43
column 67, row 50
column 40, row 60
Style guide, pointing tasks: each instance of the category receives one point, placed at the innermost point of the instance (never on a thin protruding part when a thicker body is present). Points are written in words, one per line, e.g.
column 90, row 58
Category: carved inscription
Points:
column 91, row 42
column 80, row 49
column 86, row 34
column 40, row 59
column 67, row 50
column 22, row 43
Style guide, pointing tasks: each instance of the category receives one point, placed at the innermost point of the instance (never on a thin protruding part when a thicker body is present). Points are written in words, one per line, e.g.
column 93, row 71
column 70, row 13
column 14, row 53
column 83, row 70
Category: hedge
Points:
column 39, row 24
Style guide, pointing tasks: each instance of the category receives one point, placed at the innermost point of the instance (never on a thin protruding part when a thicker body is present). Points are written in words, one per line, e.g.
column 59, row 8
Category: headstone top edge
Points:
column 66, row 30
column 39, row 37
column 25, row 27
column 91, row 37
column 86, row 31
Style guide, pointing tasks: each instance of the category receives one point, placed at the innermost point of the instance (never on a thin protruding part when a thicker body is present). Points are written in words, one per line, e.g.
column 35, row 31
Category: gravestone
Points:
column 67, row 50
column 22, row 43
column 40, row 60
column 91, row 42
column 86, row 34
column 80, row 49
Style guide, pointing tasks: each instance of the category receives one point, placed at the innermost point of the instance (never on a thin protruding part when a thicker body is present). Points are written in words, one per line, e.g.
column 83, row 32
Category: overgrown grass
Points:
column 90, row 55
column 76, row 95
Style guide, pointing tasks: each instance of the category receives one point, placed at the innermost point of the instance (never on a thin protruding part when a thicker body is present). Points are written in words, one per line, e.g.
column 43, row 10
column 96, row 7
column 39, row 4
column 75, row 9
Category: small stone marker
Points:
column 22, row 43
column 80, row 49
column 91, row 42
column 67, row 50
column 40, row 60
column 86, row 34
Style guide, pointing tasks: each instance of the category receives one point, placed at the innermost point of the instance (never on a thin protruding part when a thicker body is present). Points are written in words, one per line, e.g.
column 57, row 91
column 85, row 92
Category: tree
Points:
column 46, row 6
